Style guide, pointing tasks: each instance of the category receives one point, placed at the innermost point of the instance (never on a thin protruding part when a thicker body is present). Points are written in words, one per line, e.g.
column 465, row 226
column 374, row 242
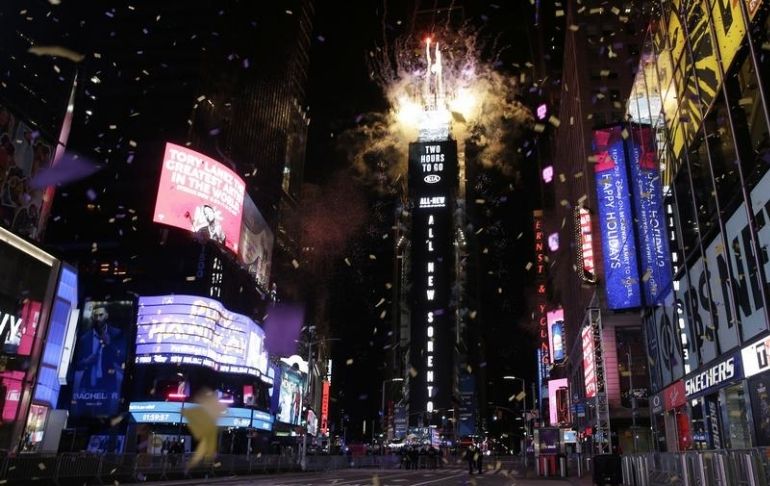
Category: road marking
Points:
column 444, row 478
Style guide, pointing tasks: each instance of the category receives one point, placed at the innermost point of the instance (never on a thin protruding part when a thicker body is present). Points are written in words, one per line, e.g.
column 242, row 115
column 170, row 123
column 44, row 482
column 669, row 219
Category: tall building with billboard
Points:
column 700, row 103
column 597, row 255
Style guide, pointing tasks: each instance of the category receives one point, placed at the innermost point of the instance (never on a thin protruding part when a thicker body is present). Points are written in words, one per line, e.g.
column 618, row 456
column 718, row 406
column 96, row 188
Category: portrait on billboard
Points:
column 290, row 397
column 759, row 391
column 23, row 153
column 100, row 357
column 201, row 195
column 256, row 252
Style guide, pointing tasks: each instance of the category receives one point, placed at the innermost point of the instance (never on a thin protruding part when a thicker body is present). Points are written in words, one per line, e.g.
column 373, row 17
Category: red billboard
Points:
column 589, row 361
column 201, row 195
column 325, row 407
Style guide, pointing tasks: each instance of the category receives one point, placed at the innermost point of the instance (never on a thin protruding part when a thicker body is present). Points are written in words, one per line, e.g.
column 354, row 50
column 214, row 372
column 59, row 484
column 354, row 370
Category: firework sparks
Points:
column 435, row 88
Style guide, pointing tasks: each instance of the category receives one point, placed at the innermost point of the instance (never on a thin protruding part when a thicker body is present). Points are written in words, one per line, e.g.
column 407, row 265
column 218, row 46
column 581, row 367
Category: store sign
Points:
column 647, row 194
column 558, row 401
column 656, row 403
column 199, row 194
column 712, row 408
column 674, row 396
column 432, row 185
column 586, row 267
column 541, row 277
column 714, row 376
column 325, row 386
column 589, row 361
column 198, row 331
column 756, row 357
column 621, row 273
column 556, row 331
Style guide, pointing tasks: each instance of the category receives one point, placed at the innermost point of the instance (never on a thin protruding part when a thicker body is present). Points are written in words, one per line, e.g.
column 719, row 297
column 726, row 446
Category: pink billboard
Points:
column 201, row 195
column 558, row 401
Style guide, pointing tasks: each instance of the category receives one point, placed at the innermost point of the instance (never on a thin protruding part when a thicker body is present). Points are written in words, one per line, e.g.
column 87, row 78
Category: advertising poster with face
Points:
column 199, row 194
column 290, row 398
column 23, row 153
column 256, row 251
column 100, row 357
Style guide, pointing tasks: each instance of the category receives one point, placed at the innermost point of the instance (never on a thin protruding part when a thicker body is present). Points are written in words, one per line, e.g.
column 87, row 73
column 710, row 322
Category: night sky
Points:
column 137, row 90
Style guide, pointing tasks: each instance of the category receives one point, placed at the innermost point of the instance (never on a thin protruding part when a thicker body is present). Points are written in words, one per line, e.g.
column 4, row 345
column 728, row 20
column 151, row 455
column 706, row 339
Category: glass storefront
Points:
column 737, row 421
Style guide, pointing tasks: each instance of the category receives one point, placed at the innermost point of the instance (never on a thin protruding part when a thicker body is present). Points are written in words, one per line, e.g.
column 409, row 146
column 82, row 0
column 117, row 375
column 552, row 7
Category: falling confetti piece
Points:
column 349, row 361
column 372, row 257
column 58, row 51
column 295, row 263
column 412, row 371
column 347, row 261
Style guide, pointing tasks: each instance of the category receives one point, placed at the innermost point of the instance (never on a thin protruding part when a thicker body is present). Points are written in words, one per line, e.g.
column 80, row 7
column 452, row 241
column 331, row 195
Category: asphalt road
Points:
column 362, row 477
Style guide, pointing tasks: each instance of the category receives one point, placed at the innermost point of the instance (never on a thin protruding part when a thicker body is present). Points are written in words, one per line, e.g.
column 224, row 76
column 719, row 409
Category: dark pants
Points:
column 479, row 461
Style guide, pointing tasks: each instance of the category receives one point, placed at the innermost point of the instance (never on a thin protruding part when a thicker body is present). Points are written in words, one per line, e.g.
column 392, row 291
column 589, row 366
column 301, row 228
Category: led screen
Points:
column 558, row 405
column 201, row 195
column 621, row 273
column 290, row 396
column 647, row 193
column 556, row 329
column 100, row 357
column 199, row 331
column 24, row 153
column 256, row 251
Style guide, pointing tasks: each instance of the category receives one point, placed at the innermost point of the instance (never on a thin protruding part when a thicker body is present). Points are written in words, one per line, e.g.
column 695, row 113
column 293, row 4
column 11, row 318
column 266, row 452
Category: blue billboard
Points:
column 621, row 270
column 647, row 192
column 100, row 358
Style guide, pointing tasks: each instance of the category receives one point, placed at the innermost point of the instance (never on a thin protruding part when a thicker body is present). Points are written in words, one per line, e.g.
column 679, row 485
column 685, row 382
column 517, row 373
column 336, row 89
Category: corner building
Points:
column 701, row 89
column 590, row 241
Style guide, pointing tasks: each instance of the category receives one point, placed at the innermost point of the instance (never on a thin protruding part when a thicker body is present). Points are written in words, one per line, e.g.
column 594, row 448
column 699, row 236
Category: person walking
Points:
column 479, row 458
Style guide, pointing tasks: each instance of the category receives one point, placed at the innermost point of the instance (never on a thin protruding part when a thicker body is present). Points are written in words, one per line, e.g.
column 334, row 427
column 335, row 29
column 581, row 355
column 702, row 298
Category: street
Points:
column 447, row 476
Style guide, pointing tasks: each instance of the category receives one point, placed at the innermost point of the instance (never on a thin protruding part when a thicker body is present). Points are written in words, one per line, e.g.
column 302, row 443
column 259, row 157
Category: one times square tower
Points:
column 433, row 185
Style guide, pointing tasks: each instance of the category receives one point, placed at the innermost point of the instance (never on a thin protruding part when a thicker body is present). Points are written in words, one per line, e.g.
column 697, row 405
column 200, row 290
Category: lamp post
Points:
column 382, row 405
column 523, row 408
column 310, row 344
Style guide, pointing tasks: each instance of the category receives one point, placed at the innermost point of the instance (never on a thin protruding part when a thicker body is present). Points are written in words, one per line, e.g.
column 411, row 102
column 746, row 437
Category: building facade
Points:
column 701, row 92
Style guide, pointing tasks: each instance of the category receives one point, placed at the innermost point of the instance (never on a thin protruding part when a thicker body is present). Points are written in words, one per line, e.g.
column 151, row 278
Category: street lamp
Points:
column 310, row 367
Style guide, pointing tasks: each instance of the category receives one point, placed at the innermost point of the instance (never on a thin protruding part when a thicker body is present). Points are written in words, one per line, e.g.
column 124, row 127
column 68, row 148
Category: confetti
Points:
column 58, row 51
column 294, row 263
column 349, row 361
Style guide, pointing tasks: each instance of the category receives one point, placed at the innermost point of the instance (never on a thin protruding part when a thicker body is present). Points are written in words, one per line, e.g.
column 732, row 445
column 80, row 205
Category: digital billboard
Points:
column 558, row 401
column 199, row 194
column 589, row 361
column 585, row 261
column 256, row 250
column 647, row 193
column 23, row 154
column 186, row 329
column 100, row 357
column 291, row 386
column 621, row 271
column 556, row 331
column 325, row 391
column 171, row 412
column 432, row 187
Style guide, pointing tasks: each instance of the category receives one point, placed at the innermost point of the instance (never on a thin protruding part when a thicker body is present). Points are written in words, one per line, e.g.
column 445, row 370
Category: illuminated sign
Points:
column 704, row 382
column 621, row 273
column 548, row 174
column 290, row 390
column 312, row 423
column 585, row 263
column 556, row 330
column 171, row 412
column 553, row 241
column 186, row 329
column 432, row 184
column 558, row 401
column 201, row 195
column 647, row 194
column 540, row 286
column 756, row 357
column 256, row 249
column 325, row 386
column 589, row 361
